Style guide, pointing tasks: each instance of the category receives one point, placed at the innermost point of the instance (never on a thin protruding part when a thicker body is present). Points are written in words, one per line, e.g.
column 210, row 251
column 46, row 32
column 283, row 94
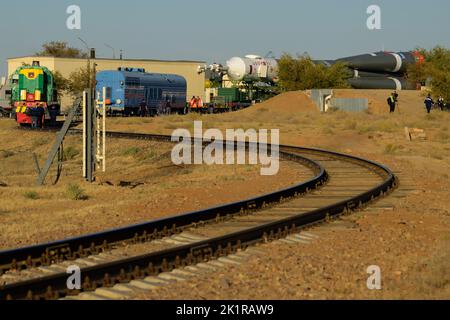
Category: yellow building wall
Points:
column 188, row 70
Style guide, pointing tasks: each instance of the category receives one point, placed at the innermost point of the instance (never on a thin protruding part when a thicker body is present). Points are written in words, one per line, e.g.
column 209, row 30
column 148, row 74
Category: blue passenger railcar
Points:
column 127, row 88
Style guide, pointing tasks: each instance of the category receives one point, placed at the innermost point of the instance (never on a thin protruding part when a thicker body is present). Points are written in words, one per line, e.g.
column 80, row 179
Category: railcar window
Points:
column 160, row 94
column 133, row 82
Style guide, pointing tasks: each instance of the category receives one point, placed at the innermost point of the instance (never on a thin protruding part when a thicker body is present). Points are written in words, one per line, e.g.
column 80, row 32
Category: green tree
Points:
column 435, row 68
column 61, row 83
column 60, row 49
column 301, row 73
column 79, row 80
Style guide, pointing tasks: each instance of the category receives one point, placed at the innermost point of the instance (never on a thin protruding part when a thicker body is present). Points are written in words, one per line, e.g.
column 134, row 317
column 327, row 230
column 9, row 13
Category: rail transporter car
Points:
column 32, row 87
column 127, row 88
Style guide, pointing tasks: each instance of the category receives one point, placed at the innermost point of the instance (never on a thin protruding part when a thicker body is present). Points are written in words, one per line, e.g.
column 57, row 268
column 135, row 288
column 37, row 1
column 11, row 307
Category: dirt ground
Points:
column 141, row 184
column 410, row 243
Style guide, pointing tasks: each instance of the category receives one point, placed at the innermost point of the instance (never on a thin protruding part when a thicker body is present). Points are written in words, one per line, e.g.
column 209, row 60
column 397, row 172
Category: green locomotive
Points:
column 33, row 95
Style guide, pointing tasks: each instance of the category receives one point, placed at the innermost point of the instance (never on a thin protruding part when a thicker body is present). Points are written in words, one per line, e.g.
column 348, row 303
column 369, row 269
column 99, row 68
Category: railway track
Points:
column 341, row 184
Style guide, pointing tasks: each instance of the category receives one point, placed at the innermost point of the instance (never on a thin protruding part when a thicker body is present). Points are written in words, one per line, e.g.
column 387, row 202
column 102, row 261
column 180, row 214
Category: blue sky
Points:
column 214, row 31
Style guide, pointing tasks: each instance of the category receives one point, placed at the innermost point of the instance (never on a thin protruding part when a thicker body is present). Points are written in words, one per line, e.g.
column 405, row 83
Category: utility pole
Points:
column 113, row 50
column 88, row 50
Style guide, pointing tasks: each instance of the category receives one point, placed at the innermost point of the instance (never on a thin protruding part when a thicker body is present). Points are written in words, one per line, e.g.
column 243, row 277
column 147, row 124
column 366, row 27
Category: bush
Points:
column 302, row 73
column 39, row 142
column 350, row 125
column 391, row 149
column 132, row 151
column 74, row 192
column 150, row 155
column 7, row 154
column 443, row 136
column 32, row 195
column 70, row 153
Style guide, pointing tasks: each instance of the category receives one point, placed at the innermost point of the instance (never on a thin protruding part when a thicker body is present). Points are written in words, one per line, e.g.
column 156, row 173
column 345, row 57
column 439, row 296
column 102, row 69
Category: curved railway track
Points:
column 341, row 184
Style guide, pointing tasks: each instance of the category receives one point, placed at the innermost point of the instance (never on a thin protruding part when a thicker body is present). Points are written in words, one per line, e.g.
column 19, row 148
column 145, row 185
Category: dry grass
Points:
column 140, row 184
column 172, row 189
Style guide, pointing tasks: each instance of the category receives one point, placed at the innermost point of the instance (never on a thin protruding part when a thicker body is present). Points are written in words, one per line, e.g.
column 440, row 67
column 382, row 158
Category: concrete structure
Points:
column 186, row 69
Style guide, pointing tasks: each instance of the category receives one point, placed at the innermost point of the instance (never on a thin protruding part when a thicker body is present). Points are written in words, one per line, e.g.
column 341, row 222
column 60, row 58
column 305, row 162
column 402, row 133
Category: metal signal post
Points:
column 101, row 130
column 88, row 136
column 94, row 126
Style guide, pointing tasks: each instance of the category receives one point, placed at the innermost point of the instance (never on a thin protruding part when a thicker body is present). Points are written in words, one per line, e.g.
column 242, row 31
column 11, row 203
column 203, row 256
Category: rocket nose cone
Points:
column 236, row 68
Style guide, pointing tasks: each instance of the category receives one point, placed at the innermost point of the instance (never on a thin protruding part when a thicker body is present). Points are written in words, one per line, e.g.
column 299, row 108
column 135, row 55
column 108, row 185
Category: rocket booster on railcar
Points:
column 379, row 70
column 380, row 62
column 252, row 68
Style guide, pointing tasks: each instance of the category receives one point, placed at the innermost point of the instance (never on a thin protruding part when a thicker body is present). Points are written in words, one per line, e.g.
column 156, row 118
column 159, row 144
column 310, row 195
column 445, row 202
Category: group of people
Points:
column 196, row 104
column 429, row 103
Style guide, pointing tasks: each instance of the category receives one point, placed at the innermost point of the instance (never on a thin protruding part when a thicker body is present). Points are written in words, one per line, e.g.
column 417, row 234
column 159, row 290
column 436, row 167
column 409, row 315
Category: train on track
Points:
column 33, row 92
column 128, row 88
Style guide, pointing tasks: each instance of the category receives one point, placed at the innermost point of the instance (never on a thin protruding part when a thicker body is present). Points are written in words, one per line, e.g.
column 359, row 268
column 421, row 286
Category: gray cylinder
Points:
column 381, row 62
column 390, row 83
column 364, row 74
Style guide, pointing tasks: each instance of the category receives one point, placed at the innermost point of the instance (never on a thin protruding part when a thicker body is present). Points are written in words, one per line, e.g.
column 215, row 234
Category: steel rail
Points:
column 54, row 286
column 45, row 254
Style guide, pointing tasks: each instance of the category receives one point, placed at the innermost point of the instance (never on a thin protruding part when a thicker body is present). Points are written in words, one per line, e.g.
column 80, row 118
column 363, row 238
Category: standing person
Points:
column 395, row 94
column 391, row 103
column 143, row 108
column 53, row 110
column 193, row 104
column 429, row 103
column 168, row 110
column 34, row 117
column 200, row 104
column 396, row 99
column 441, row 103
column 40, row 111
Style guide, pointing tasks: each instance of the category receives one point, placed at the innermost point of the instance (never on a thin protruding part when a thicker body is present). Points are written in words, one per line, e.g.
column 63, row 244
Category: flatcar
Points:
column 128, row 88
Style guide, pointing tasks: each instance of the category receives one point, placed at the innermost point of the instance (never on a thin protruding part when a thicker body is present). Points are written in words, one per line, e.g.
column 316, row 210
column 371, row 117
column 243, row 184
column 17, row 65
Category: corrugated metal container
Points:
column 350, row 104
column 318, row 97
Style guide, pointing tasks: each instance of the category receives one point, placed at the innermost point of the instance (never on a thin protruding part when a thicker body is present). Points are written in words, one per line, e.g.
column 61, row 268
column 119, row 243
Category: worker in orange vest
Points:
column 200, row 104
column 193, row 103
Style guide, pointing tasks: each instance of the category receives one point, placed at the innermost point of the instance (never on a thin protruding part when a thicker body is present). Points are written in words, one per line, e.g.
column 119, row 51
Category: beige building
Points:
column 186, row 69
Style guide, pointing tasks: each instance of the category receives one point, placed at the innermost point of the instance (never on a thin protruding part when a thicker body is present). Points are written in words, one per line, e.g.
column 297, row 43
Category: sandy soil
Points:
column 141, row 184
column 410, row 243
